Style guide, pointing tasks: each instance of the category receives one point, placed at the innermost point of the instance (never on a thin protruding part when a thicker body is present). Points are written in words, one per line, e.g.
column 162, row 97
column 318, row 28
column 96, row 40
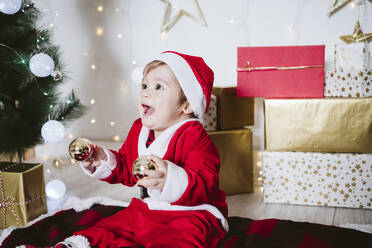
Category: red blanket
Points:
column 243, row 232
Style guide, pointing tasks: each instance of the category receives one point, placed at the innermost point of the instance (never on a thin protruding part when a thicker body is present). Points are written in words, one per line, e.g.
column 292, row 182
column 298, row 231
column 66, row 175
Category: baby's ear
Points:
column 187, row 108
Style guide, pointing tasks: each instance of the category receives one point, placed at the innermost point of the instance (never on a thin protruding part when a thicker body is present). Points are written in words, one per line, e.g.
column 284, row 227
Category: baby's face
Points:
column 158, row 100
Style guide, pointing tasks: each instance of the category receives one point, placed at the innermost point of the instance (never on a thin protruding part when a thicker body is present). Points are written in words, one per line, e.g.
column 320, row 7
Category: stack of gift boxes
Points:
column 318, row 126
column 226, row 122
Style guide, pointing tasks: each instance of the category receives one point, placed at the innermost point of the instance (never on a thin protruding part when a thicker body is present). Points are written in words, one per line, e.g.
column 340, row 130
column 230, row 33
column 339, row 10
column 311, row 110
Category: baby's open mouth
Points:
column 147, row 110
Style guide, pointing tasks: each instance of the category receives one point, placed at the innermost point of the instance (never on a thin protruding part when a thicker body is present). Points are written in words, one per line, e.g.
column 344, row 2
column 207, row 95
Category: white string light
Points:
column 164, row 35
column 99, row 31
column 45, row 157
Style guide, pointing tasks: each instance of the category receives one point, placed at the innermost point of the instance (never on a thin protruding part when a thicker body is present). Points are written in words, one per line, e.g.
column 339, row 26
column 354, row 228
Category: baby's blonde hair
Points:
column 155, row 64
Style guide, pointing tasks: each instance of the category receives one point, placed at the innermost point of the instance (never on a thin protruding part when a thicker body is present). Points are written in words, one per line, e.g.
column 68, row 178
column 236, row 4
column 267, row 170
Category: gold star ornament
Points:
column 337, row 5
column 169, row 21
column 357, row 36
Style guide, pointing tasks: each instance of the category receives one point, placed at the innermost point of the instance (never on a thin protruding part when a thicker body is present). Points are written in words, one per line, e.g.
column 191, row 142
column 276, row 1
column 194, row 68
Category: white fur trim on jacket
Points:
column 106, row 167
column 175, row 184
column 77, row 241
column 187, row 80
column 162, row 205
column 160, row 145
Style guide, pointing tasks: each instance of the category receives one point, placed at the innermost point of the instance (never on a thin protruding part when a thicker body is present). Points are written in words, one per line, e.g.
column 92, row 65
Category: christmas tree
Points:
column 30, row 74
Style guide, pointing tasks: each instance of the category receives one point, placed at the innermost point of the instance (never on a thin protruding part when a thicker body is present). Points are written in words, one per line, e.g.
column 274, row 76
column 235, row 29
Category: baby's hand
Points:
column 155, row 178
column 98, row 154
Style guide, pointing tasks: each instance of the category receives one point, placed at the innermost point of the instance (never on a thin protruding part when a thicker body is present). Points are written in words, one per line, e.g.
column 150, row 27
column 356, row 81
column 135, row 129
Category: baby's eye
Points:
column 159, row 86
column 143, row 86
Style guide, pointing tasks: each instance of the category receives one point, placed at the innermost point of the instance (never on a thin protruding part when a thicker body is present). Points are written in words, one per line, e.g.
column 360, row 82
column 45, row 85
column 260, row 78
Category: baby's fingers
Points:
column 154, row 173
column 149, row 183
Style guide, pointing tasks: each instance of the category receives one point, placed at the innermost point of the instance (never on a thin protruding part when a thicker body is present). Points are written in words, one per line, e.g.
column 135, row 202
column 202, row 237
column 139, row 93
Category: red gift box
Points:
column 281, row 72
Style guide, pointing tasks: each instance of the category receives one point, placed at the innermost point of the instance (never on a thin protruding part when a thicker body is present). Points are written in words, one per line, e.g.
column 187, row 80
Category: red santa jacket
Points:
column 191, row 154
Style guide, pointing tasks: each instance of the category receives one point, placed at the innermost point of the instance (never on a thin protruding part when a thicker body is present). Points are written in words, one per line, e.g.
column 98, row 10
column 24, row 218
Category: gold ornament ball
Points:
column 140, row 164
column 80, row 149
column 59, row 163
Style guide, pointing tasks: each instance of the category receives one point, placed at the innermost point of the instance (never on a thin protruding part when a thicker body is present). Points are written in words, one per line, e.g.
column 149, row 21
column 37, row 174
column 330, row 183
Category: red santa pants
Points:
column 137, row 226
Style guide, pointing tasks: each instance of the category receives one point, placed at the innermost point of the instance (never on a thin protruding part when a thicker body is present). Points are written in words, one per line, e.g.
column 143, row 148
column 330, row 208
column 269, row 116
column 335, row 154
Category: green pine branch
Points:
column 27, row 101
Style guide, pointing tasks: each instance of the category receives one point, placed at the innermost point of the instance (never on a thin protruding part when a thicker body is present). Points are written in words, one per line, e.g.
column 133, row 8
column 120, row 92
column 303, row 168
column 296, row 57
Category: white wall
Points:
column 231, row 24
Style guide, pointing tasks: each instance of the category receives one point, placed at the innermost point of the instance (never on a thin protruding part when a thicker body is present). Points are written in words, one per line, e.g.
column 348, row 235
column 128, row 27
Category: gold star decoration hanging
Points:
column 337, row 5
column 169, row 22
column 357, row 36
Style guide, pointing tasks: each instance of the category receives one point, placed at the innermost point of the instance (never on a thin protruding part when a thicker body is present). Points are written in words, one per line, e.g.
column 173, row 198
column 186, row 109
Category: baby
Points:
column 184, row 207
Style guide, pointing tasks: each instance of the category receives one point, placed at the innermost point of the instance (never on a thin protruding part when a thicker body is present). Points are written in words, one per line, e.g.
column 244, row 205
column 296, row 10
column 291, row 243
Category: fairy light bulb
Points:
column 164, row 35
column 291, row 30
column 45, row 157
column 70, row 136
column 93, row 67
column 112, row 123
column 93, row 121
column 100, row 8
column 124, row 89
column 116, row 138
column 99, row 31
column 92, row 101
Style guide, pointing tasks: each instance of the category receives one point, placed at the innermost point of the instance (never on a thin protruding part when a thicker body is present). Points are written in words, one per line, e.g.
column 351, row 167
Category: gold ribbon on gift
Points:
column 249, row 67
column 9, row 203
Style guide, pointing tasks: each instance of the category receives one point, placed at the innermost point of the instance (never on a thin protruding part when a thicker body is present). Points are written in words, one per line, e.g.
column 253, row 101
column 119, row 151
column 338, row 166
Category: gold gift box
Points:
column 22, row 193
column 232, row 111
column 319, row 125
column 28, row 154
column 235, row 150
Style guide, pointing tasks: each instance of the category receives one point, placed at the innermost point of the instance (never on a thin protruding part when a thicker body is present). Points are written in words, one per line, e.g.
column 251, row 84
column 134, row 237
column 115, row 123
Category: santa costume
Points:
column 190, row 211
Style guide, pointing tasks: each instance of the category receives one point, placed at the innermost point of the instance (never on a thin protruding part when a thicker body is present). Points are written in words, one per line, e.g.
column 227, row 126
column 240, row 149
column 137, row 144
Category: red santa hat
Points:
column 194, row 76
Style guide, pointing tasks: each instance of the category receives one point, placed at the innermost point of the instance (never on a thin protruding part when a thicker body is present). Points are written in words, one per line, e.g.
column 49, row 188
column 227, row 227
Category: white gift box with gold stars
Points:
column 321, row 179
column 352, row 72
